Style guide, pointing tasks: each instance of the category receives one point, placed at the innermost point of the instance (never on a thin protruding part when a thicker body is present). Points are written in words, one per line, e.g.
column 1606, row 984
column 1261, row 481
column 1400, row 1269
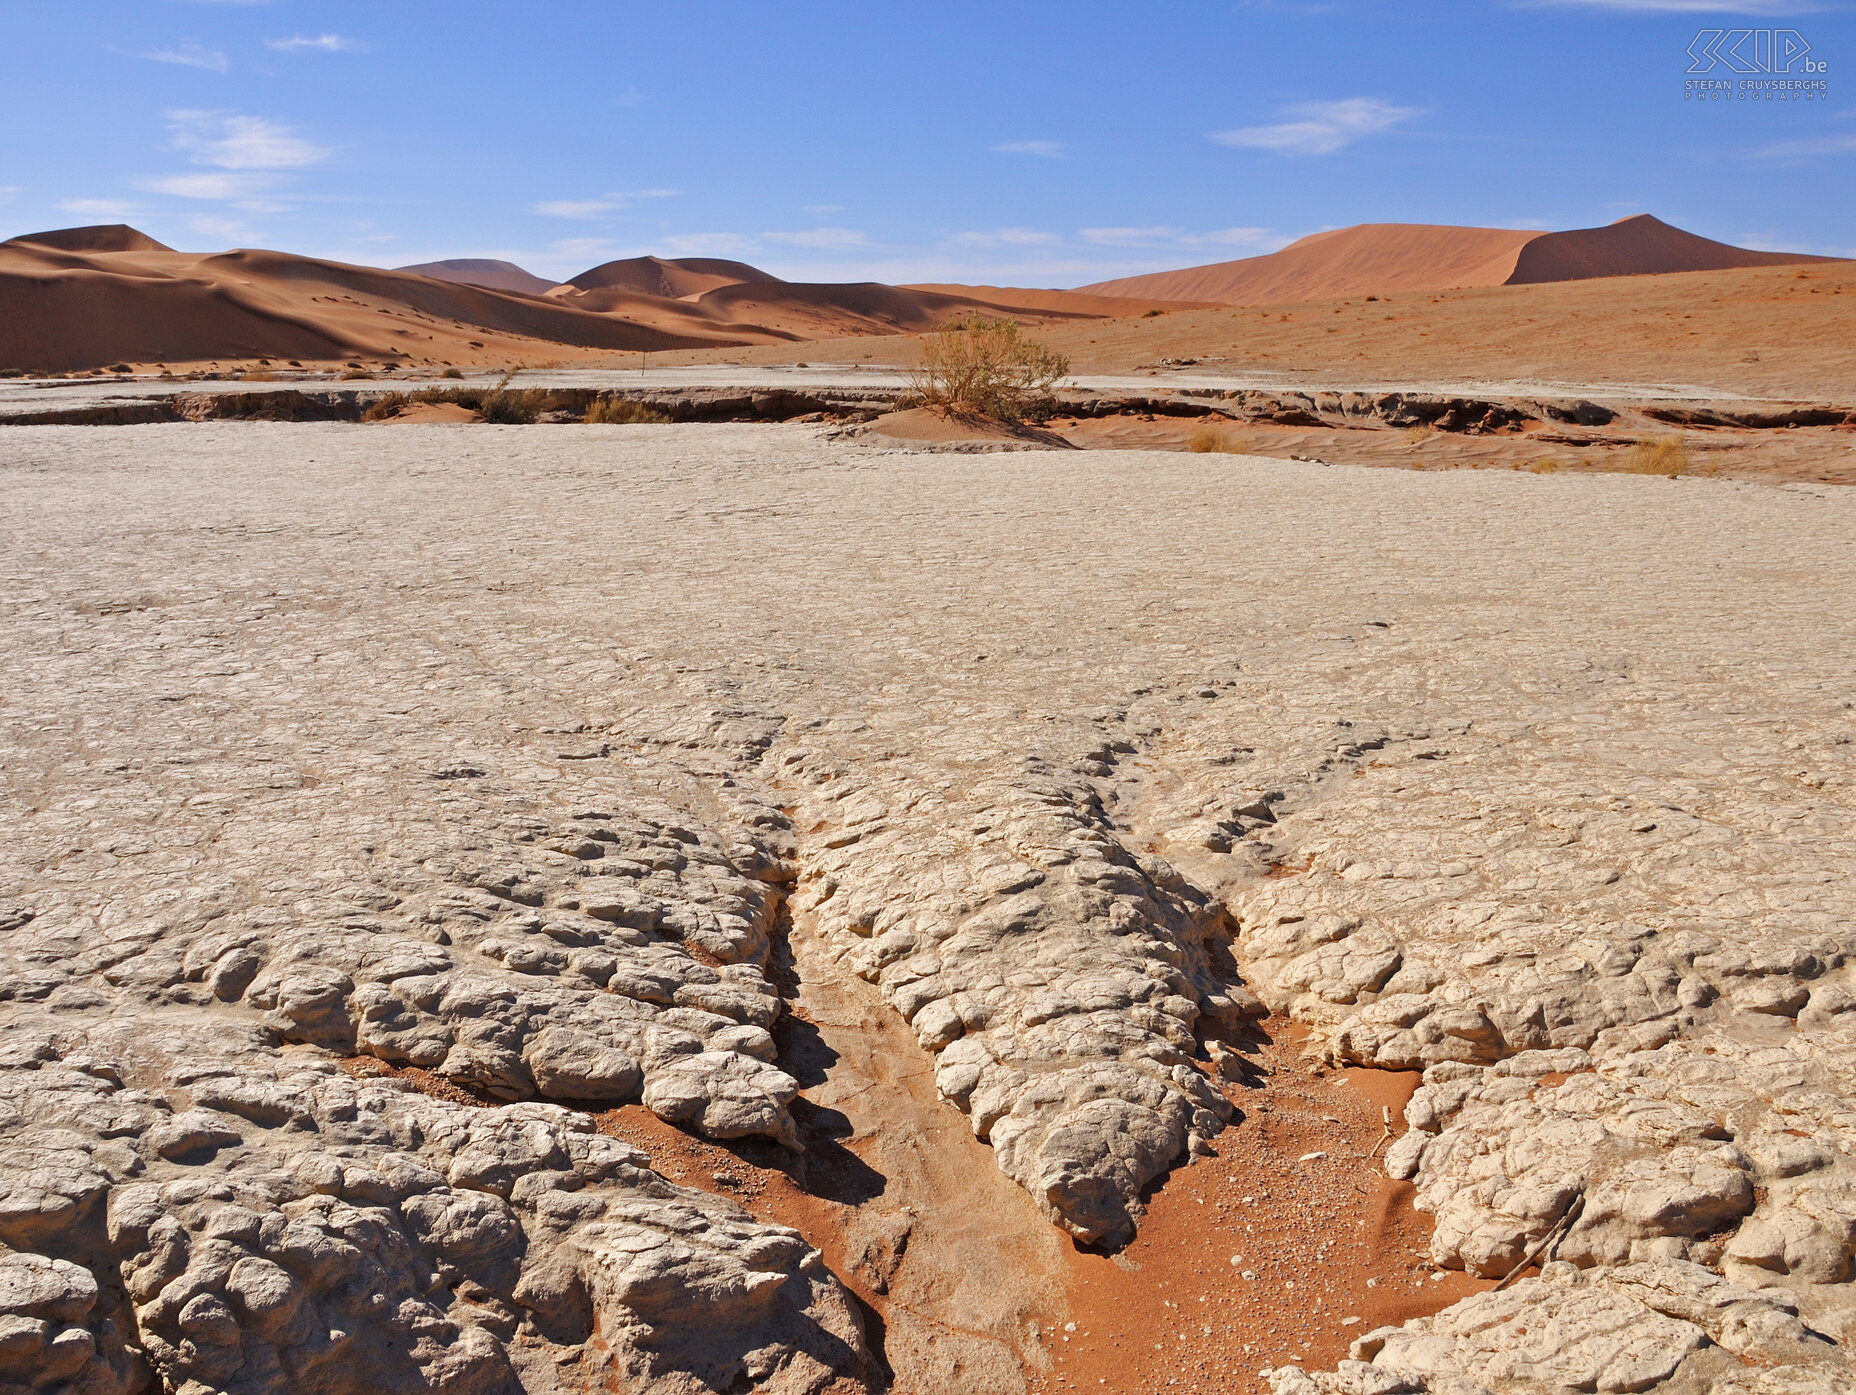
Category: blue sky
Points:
column 1003, row 142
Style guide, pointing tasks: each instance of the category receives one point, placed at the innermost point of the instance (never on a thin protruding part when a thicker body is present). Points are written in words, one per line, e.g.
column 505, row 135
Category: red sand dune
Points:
column 91, row 297
column 1034, row 302
column 1384, row 258
column 102, row 237
column 480, row 271
column 63, row 310
column 1634, row 247
column 681, row 279
column 769, row 311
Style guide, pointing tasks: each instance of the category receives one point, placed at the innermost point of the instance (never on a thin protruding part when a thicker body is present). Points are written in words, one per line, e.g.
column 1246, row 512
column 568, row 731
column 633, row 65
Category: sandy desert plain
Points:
column 1324, row 868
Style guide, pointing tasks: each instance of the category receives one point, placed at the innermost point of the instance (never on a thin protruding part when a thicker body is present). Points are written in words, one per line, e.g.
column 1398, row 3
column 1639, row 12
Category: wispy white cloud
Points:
column 1231, row 239
column 225, row 229
column 188, row 54
column 97, row 208
column 1002, row 237
column 241, row 185
column 1320, row 128
column 1802, row 149
column 599, row 207
column 1049, row 149
column 574, row 208
column 578, row 249
column 711, row 244
column 234, row 142
column 320, row 43
column 7, row 191
column 821, row 239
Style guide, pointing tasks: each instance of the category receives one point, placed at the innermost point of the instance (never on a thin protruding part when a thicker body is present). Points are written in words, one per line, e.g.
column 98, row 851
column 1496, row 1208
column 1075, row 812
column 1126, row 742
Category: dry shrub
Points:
column 987, row 367
column 451, row 373
column 386, row 406
column 1417, row 435
column 1545, row 466
column 504, row 408
column 353, row 373
column 619, row 411
column 1665, row 455
column 492, row 404
column 1212, row 438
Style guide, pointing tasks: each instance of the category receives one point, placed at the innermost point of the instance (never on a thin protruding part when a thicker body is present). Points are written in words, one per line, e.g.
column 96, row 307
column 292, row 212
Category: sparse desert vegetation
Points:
column 1664, row 455
column 620, row 411
column 1218, row 438
column 987, row 367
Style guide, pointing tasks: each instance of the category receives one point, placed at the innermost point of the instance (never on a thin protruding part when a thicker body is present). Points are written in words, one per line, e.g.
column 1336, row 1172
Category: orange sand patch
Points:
column 1325, row 1238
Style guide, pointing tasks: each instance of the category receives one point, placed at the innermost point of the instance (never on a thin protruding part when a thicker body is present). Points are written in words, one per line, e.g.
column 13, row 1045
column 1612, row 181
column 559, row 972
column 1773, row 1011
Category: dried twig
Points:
column 1551, row 1238
column 1385, row 1113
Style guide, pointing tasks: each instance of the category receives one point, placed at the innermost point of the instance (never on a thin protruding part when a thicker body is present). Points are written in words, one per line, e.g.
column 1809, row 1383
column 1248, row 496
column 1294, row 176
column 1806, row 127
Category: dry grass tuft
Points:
column 386, row 406
column 987, row 367
column 505, row 408
column 618, row 411
column 1213, row 438
column 497, row 405
column 1665, row 455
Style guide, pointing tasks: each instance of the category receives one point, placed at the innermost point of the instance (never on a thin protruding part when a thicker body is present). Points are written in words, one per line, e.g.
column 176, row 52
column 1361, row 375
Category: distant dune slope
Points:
column 100, row 237
column 91, row 297
column 1039, row 302
column 62, row 310
column 1388, row 258
column 683, row 278
column 1372, row 259
column 1634, row 247
column 477, row 271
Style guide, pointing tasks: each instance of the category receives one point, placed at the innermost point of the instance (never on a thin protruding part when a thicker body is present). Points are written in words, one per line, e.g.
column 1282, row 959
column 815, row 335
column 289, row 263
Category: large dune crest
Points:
column 1387, row 258
column 82, row 298
column 682, row 279
column 483, row 271
column 99, row 237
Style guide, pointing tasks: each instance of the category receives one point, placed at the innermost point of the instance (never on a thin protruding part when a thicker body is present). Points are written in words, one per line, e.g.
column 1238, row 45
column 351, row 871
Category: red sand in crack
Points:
column 1251, row 1258
column 1258, row 1256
